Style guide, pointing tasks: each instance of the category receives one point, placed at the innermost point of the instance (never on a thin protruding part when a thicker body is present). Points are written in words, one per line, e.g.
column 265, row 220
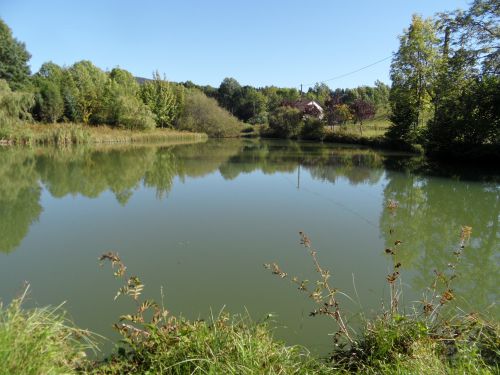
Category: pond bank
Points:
column 42, row 340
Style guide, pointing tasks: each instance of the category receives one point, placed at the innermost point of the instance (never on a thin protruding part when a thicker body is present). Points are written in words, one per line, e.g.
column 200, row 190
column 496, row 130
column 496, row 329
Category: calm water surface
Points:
column 198, row 221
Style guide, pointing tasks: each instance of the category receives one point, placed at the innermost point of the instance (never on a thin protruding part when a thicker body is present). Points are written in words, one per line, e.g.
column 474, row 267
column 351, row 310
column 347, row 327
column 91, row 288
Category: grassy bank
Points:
column 41, row 341
column 66, row 134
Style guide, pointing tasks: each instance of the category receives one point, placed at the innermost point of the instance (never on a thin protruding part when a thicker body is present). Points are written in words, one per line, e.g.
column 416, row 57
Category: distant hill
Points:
column 141, row 80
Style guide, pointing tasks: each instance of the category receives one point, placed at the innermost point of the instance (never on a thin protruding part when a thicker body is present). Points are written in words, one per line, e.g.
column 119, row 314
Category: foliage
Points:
column 14, row 106
column 313, row 129
column 362, row 110
column 252, row 105
column 122, row 105
column 202, row 114
column 445, row 83
column 286, row 122
column 338, row 113
column 13, row 59
column 39, row 341
column 412, row 71
column 49, row 103
column 160, row 97
column 89, row 82
column 229, row 93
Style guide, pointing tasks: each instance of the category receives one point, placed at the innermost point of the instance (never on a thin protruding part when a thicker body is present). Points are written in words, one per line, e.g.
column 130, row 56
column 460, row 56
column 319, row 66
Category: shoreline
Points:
column 72, row 134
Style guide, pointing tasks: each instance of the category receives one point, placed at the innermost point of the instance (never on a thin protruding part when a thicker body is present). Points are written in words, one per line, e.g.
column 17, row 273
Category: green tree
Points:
column 467, row 111
column 49, row 103
column 412, row 73
column 89, row 84
column 229, row 94
column 160, row 97
column 13, row 59
column 252, row 105
column 122, row 105
column 320, row 93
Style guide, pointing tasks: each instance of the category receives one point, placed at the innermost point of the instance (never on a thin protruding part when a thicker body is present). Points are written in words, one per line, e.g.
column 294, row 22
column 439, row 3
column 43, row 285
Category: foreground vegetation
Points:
column 427, row 341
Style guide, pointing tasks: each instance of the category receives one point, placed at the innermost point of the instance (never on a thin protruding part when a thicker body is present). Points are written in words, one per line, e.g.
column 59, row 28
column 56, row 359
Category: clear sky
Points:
column 258, row 42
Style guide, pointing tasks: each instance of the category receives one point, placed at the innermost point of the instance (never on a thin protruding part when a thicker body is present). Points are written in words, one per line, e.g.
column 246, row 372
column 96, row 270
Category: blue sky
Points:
column 280, row 42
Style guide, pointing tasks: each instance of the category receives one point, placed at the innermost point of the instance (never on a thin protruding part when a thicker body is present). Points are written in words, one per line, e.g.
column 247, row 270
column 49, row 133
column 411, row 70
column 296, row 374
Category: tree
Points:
column 362, row 110
column 229, row 94
column 412, row 72
column 161, row 99
column 252, row 104
column 13, row 59
column 122, row 106
column 320, row 93
column 88, row 90
column 339, row 114
column 49, row 104
column 466, row 99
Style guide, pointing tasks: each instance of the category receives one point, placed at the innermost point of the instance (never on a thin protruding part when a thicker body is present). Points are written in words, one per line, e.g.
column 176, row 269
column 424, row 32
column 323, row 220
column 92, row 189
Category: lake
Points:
column 196, row 223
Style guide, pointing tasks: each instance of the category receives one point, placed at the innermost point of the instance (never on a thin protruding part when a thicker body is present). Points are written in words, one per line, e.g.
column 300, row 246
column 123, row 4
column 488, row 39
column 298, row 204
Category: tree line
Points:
column 83, row 93
column 265, row 105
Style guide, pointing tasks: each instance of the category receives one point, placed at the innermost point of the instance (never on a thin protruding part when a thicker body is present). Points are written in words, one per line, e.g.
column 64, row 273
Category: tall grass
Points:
column 71, row 134
column 221, row 345
column 39, row 341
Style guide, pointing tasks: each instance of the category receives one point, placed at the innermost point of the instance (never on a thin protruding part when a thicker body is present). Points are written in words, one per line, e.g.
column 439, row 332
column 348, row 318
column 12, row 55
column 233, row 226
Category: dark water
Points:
column 198, row 221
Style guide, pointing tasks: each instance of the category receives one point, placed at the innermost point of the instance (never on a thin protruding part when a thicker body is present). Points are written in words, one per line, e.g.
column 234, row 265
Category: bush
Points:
column 313, row 129
column 203, row 114
column 286, row 122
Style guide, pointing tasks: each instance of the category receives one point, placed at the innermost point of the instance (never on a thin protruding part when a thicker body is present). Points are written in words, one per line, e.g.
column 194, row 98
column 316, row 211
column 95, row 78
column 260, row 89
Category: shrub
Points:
column 286, row 122
column 203, row 114
column 313, row 129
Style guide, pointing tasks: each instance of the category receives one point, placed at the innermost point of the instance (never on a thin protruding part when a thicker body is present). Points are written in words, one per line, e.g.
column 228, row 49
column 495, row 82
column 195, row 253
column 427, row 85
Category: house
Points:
column 308, row 107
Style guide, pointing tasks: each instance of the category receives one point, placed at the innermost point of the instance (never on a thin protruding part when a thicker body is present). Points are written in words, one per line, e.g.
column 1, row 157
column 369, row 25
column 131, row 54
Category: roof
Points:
column 304, row 103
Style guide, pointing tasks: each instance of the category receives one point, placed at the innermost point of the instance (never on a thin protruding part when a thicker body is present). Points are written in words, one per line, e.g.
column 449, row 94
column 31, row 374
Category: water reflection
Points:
column 430, row 214
column 431, row 211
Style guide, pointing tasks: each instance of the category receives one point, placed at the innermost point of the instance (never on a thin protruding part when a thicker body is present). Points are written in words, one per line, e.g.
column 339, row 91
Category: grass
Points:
column 39, row 341
column 66, row 134
column 408, row 345
column 222, row 345
column 376, row 127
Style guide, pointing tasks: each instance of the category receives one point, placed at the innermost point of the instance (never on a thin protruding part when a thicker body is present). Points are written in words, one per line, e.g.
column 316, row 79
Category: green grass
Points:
column 222, row 345
column 411, row 345
column 39, row 341
column 376, row 127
